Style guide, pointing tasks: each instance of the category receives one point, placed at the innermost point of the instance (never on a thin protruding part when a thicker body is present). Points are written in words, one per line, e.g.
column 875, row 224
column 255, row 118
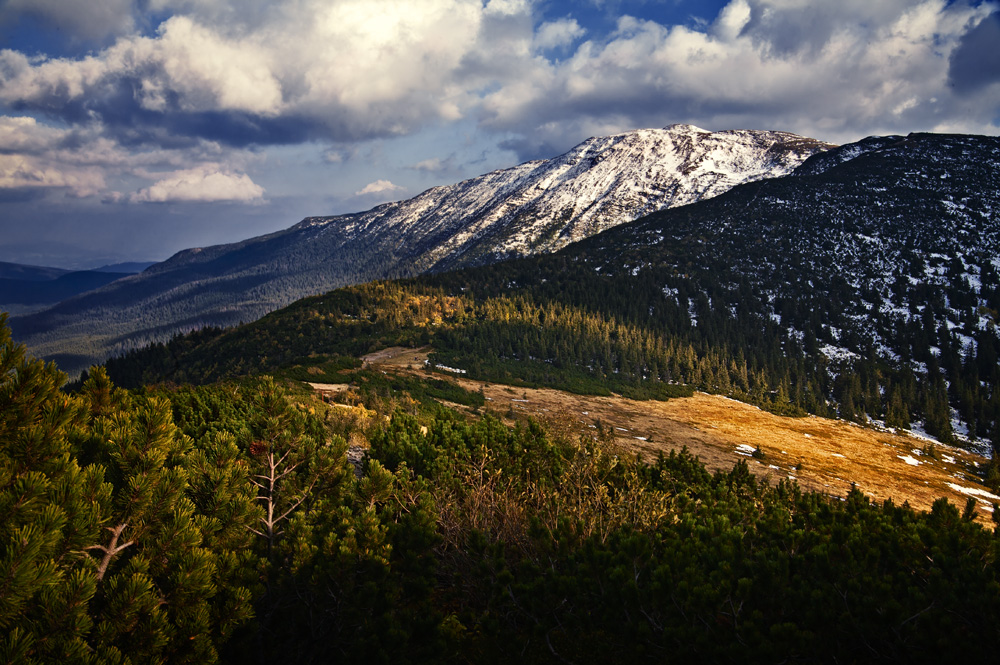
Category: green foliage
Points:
column 191, row 524
column 655, row 334
column 104, row 555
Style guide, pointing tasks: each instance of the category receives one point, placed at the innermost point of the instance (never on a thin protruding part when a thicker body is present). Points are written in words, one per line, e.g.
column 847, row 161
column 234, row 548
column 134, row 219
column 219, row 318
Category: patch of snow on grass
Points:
column 453, row 370
column 744, row 449
column 909, row 459
column 974, row 491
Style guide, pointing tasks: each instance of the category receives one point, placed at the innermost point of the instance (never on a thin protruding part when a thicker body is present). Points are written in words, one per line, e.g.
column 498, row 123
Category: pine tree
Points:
column 102, row 552
column 49, row 511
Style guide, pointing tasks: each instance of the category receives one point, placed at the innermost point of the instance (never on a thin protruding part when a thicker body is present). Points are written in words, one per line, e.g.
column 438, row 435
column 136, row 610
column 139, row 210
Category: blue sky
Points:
column 131, row 129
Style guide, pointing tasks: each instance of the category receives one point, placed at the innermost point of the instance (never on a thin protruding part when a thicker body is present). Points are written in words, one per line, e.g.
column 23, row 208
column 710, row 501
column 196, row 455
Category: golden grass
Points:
column 821, row 454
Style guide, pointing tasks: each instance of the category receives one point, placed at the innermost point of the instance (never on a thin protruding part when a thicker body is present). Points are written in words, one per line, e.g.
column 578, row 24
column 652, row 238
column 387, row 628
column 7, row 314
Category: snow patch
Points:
column 974, row 491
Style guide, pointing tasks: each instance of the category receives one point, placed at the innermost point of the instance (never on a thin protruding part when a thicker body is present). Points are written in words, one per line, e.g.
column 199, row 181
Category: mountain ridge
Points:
column 869, row 290
column 534, row 207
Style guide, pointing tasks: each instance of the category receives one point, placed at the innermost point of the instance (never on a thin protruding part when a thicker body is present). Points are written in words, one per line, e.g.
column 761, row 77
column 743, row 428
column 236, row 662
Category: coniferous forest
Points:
column 222, row 522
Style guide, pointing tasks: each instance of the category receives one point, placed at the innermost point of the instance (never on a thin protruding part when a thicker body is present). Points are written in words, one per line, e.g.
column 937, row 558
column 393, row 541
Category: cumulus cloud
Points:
column 85, row 163
column 297, row 70
column 256, row 73
column 23, row 171
column 833, row 70
column 20, row 134
column 558, row 34
column 378, row 187
column 435, row 164
column 29, row 158
column 204, row 184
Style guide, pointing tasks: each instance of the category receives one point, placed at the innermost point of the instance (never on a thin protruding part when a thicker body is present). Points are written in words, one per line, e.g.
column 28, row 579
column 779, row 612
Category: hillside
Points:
column 532, row 208
column 421, row 517
column 246, row 521
column 867, row 290
column 821, row 455
column 33, row 292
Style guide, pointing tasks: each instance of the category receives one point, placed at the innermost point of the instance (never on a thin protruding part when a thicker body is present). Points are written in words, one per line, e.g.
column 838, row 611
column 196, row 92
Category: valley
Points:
column 499, row 331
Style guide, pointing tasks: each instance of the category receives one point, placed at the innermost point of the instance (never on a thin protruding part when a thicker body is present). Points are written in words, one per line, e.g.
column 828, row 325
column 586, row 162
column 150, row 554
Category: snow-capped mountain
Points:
column 884, row 251
column 541, row 206
column 866, row 284
column 536, row 207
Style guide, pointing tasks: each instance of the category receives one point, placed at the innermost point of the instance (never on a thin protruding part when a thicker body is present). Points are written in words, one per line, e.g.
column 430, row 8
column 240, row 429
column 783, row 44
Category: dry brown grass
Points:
column 822, row 455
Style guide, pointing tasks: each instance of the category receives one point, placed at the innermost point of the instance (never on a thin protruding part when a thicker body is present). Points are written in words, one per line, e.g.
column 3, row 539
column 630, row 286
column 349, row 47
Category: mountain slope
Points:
column 863, row 288
column 534, row 207
column 29, row 273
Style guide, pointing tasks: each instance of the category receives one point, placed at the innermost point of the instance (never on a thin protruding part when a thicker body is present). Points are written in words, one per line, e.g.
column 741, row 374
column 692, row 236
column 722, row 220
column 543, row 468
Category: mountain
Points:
column 27, row 288
column 866, row 285
column 542, row 206
column 29, row 273
column 127, row 267
column 535, row 207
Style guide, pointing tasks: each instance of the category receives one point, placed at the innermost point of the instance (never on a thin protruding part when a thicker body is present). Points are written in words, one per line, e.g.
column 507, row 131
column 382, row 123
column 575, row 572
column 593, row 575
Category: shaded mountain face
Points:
column 532, row 208
column 856, row 251
column 887, row 251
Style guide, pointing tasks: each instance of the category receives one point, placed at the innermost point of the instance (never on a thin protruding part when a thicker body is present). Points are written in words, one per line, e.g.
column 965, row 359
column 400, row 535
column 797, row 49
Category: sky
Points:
column 132, row 129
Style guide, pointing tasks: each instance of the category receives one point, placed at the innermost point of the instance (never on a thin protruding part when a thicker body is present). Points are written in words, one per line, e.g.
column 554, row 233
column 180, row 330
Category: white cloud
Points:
column 378, row 187
column 353, row 69
column 85, row 163
column 24, row 171
column 31, row 157
column 833, row 70
column 434, row 164
column 558, row 34
column 204, row 183
column 207, row 70
column 224, row 73
column 25, row 134
column 508, row 7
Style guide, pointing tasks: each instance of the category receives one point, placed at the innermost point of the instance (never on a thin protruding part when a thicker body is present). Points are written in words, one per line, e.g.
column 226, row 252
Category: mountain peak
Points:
column 532, row 208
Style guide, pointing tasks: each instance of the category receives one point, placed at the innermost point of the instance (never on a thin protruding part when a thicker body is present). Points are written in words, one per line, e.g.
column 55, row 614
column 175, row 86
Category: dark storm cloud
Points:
column 975, row 64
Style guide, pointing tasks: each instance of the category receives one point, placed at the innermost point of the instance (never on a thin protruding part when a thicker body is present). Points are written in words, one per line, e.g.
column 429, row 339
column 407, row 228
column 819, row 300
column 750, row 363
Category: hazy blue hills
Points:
column 24, row 288
column 29, row 273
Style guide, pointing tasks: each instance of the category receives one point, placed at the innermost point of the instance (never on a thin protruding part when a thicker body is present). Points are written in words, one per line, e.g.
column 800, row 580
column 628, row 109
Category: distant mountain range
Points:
column 25, row 288
column 536, row 207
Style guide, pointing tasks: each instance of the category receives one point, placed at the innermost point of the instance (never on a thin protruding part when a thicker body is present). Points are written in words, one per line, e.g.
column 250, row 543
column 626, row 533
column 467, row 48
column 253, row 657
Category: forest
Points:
column 553, row 322
column 223, row 522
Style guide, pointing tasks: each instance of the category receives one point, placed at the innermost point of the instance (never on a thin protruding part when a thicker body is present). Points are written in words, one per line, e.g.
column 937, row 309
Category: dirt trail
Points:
column 822, row 455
